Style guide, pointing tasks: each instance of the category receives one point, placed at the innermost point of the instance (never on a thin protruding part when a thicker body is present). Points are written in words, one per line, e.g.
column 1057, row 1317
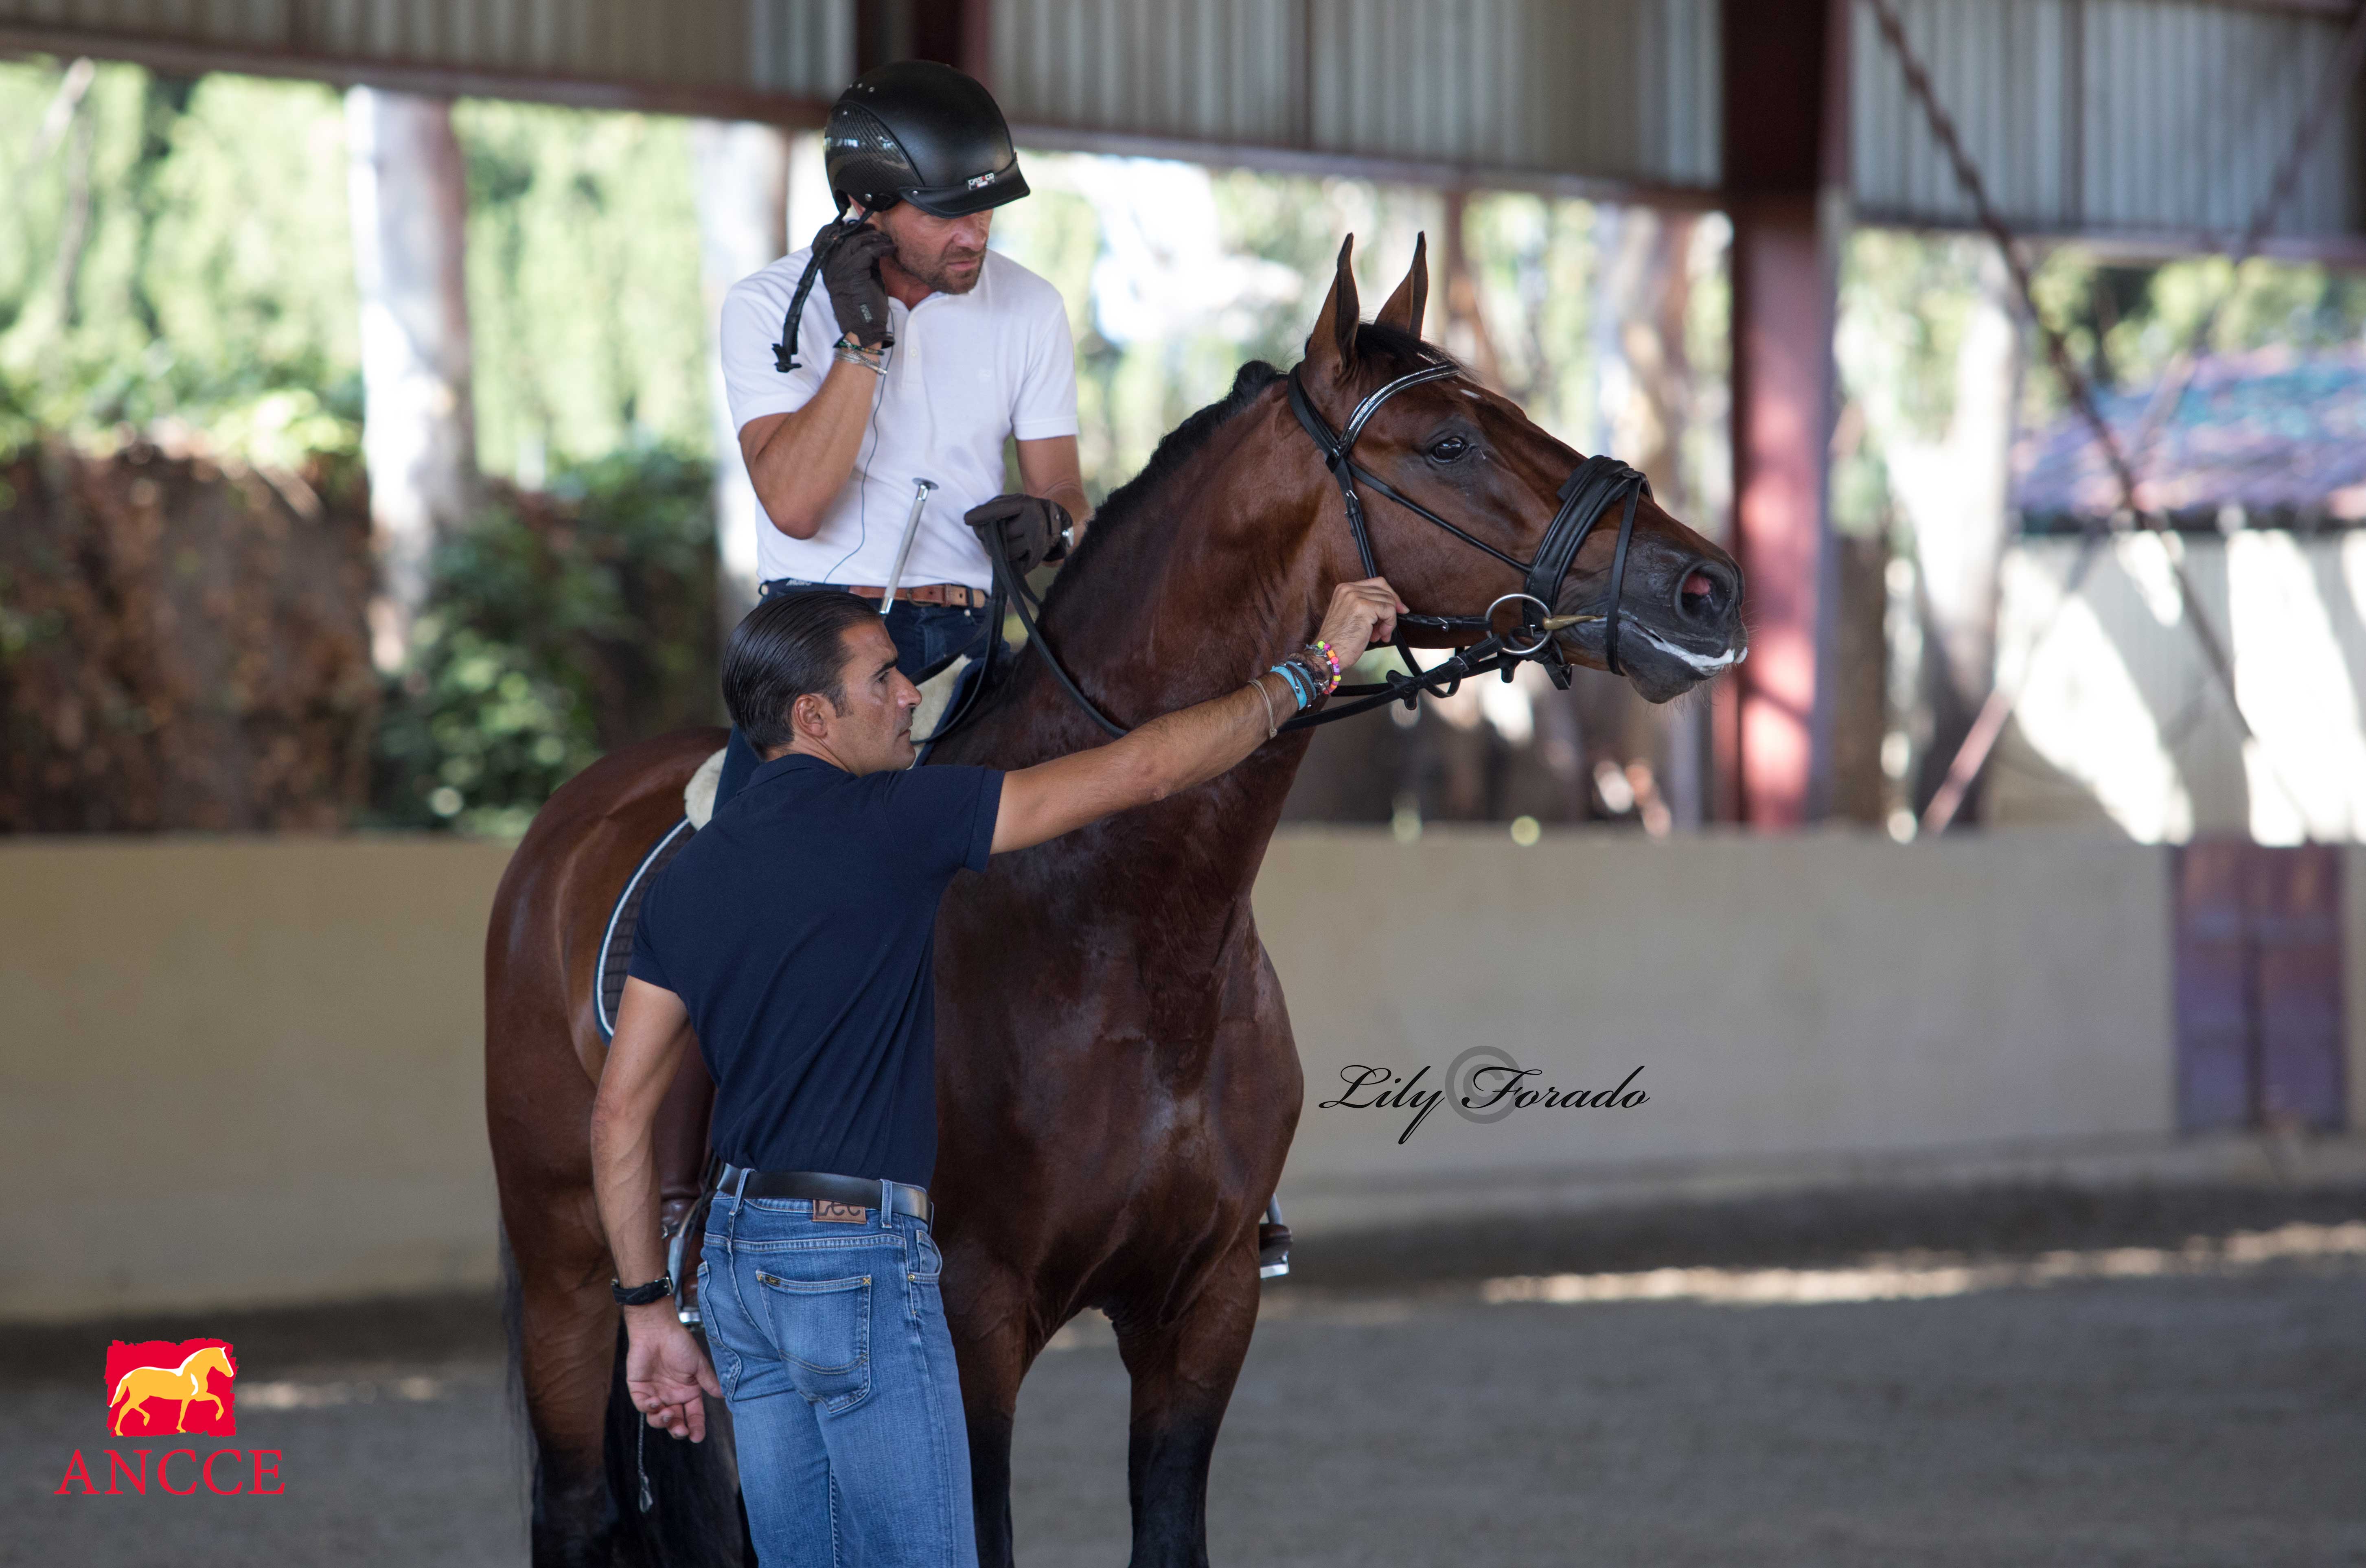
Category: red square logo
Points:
column 159, row 1388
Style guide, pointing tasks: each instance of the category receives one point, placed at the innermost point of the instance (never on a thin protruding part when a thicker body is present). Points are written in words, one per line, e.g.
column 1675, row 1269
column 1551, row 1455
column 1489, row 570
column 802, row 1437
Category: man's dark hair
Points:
column 790, row 645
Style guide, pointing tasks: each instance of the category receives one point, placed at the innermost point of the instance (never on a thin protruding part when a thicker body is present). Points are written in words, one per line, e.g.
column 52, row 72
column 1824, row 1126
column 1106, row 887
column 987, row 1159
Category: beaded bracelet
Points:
column 1331, row 656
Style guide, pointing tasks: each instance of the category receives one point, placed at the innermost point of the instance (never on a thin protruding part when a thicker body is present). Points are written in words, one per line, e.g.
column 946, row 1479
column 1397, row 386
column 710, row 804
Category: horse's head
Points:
column 1478, row 464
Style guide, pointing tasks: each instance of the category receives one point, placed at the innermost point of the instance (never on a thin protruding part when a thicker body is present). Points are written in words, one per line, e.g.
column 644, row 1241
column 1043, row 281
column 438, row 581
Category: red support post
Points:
column 1785, row 101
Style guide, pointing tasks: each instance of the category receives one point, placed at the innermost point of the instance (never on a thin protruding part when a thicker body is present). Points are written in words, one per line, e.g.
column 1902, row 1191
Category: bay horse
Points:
column 1115, row 1068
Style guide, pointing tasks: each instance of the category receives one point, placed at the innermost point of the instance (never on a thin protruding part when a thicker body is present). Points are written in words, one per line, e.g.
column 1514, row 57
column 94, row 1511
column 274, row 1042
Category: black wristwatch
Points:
column 656, row 1290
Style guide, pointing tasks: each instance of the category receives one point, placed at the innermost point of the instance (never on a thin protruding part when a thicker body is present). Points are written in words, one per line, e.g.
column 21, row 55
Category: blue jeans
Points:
column 927, row 638
column 830, row 1342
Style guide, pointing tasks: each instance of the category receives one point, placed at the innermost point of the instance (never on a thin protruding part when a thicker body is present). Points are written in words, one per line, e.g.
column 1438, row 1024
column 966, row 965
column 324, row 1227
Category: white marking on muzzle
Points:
column 1701, row 663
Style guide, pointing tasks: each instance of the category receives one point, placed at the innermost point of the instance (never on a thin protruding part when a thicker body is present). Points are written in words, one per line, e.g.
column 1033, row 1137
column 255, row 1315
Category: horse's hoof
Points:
column 1273, row 1251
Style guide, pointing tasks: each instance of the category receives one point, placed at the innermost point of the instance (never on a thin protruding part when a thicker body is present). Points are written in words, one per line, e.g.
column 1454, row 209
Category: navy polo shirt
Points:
column 798, row 927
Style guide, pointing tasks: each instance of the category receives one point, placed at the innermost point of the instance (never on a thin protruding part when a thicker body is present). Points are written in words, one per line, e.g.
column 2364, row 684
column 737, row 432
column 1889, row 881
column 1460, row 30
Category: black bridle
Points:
column 1589, row 491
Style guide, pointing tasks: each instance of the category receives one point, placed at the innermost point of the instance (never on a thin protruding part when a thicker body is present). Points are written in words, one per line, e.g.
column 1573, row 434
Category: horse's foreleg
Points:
column 985, row 1307
column 1183, row 1374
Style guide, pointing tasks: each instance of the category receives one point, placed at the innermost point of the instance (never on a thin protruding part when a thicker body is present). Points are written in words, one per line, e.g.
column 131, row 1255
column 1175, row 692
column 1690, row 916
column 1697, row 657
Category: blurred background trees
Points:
column 181, row 399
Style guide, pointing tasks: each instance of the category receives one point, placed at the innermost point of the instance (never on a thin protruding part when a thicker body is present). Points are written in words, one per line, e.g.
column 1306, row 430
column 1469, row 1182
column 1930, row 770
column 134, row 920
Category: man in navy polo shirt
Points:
column 791, row 944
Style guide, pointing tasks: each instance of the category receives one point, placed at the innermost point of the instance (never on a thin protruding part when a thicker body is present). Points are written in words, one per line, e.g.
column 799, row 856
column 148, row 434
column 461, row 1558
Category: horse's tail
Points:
column 694, row 1519
column 677, row 1500
column 525, row 1454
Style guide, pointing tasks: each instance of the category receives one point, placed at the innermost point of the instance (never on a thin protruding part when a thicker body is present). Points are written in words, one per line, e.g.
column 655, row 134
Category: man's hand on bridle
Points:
column 1033, row 530
column 849, row 267
column 1361, row 614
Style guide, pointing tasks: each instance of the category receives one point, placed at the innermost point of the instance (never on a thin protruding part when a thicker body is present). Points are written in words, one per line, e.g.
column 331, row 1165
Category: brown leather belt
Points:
column 958, row 595
column 855, row 1192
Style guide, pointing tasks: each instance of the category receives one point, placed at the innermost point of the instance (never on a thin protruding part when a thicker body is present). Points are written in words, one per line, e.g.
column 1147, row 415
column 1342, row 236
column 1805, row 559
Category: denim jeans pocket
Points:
column 726, row 1361
column 928, row 1263
column 822, row 1328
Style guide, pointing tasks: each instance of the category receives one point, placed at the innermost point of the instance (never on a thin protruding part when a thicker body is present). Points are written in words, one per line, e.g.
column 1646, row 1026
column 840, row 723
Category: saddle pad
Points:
column 698, row 794
column 616, row 945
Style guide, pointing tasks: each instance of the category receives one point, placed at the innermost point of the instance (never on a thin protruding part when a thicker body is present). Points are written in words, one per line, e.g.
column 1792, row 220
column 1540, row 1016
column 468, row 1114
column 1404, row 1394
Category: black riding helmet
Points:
column 912, row 132
column 920, row 133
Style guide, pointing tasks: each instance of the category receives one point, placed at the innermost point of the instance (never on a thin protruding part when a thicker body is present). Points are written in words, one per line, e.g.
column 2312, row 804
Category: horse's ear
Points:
column 1404, row 306
column 1333, row 342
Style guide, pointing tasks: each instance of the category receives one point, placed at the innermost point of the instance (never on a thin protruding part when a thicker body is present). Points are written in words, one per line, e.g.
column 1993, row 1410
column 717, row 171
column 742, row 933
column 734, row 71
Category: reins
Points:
column 1589, row 491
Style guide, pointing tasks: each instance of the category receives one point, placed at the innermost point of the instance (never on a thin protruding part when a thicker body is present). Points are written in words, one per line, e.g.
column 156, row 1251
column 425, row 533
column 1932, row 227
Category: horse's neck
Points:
column 1215, row 578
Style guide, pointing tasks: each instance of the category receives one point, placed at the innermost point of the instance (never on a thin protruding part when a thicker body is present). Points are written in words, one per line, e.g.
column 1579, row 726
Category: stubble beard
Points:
column 936, row 272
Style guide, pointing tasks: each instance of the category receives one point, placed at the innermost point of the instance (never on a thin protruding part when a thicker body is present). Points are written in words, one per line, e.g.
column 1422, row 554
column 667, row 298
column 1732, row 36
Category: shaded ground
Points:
column 1392, row 1416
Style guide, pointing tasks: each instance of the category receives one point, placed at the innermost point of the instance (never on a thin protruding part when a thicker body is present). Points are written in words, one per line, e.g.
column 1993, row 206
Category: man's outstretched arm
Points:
column 1179, row 750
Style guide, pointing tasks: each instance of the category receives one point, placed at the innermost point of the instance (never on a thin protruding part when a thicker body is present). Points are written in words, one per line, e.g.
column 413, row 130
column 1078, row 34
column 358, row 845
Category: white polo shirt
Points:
column 967, row 371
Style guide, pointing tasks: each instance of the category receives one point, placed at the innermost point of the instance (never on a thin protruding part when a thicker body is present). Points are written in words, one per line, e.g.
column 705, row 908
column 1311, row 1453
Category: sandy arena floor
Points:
column 2105, row 1393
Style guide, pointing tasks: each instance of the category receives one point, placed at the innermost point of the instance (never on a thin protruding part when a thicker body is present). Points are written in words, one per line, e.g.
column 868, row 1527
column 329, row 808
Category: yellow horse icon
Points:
column 184, row 1383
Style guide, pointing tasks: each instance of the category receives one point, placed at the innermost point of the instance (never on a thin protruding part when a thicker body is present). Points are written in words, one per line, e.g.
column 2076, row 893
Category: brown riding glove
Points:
column 849, row 267
column 1033, row 530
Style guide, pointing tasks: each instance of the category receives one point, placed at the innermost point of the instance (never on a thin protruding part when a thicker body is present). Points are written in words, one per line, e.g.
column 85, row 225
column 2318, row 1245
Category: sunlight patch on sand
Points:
column 1924, row 1276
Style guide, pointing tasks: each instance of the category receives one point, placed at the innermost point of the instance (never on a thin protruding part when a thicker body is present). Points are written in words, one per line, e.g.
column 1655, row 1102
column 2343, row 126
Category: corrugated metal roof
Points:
column 2145, row 116
column 2161, row 116
column 1620, row 89
column 803, row 49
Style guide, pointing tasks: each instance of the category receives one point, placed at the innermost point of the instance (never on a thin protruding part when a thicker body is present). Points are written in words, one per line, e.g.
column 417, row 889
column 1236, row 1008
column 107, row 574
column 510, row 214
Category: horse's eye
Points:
column 1448, row 449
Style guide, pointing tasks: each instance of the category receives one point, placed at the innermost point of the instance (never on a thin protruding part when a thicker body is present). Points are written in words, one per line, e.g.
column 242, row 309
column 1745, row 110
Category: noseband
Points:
column 1588, row 492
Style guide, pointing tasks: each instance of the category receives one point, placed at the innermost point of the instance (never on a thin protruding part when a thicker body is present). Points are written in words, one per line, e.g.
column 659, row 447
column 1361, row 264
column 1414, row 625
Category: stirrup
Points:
column 1273, row 1243
column 675, row 1234
column 1273, row 1251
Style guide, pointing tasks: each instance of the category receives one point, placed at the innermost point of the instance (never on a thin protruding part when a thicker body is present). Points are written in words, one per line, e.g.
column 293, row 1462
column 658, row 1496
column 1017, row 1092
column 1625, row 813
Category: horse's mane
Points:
column 1129, row 500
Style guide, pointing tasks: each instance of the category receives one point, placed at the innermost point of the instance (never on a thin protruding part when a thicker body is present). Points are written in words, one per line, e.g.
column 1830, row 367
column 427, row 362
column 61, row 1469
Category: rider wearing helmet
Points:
column 873, row 410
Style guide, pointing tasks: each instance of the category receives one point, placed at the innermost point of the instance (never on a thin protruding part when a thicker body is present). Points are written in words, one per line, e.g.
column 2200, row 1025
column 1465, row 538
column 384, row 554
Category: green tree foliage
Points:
column 584, row 308
column 182, row 253
column 2124, row 323
column 177, row 250
column 181, row 250
column 560, row 626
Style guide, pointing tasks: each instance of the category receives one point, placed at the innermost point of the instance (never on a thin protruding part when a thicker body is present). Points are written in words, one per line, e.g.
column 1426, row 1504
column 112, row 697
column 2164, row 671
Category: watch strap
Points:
column 656, row 1290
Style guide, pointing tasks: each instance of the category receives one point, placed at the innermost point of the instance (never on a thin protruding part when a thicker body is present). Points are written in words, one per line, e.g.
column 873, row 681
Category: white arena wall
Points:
column 248, row 1071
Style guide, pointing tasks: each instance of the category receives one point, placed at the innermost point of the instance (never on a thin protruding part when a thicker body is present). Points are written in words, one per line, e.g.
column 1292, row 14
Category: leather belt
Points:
column 856, row 1192
column 958, row 595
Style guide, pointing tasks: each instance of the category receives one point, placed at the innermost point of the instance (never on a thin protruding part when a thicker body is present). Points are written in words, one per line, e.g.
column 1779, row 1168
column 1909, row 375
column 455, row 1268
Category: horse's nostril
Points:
column 1704, row 594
